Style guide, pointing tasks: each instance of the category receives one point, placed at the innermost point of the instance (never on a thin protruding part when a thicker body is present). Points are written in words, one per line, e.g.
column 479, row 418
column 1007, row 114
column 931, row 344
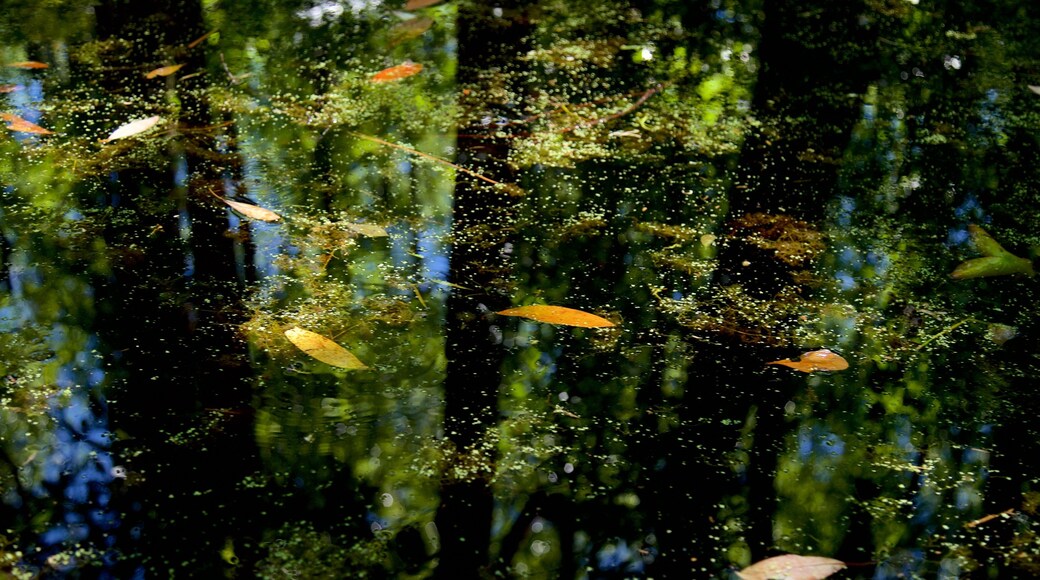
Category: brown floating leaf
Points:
column 403, row 70
column 558, row 315
column 16, row 123
column 323, row 349
column 9, row 88
column 792, row 567
column 133, row 128
column 163, row 71
column 817, row 360
column 417, row 4
column 28, row 64
column 252, row 211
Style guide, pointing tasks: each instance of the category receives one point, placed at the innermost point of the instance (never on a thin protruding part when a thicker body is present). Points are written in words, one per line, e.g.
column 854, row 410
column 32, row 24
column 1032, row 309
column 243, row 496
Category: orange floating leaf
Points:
column 403, row 70
column 16, row 123
column 323, row 349
column 133, row 128
column 817, row 360
column 28, row 64
column 199, row 40
column 558, row 315
column 792, row 567
column 163, row 71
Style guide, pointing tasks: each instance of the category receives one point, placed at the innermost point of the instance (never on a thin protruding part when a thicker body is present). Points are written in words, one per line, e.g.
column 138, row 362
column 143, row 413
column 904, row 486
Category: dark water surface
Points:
column 730, row 183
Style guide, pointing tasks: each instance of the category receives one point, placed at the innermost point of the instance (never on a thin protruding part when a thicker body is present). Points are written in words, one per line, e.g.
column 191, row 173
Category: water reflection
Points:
column 731, row 183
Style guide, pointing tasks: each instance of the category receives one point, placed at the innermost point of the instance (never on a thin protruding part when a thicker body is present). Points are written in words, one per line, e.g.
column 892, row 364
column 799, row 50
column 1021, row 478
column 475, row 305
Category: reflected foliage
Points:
column 730, row 183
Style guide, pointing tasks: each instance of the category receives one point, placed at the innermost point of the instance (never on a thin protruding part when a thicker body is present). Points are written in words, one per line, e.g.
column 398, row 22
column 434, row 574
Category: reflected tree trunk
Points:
column 480, row 264
column 171, row 310
column 792, row 169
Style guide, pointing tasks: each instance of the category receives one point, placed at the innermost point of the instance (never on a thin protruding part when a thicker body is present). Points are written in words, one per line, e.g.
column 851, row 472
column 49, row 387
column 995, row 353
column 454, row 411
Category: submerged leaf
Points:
column 323, row 349
column 998, row 261
column 398, row 72
column 367, row 230
column 1000, row 333
column 252, row 211
column 985, row 243
column 792, row 567
column 817, row 360
column 28, row 64
column 133, row 128
column 16, row 123
column 558, row 315
column 992, row 266
column 163, row 71
column 409, row 29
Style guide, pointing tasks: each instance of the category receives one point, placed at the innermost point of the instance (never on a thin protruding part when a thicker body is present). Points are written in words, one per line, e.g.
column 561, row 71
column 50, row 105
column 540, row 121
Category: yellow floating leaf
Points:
column 252, row 211
column 133, row 128
column 558, row 315
column 394, row 73
column 792, row 567
column 323, row 349
column 16, row 123
column 163, row 71
column 28, row 64
column 817, row 360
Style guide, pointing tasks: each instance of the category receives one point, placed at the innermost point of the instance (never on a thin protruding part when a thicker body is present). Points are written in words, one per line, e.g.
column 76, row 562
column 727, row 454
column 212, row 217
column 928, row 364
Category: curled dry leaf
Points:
column 133, row 128
column 163, row 71
column 558, row 315
column 252, row 211
column 403, row 70
column 792, row 567
column 817, row 360
column 28, row 64
column 16, row 123
column 323, row 349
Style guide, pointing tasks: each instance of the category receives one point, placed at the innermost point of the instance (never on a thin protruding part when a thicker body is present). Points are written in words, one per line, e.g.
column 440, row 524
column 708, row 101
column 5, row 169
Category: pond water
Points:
column 256, row 253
